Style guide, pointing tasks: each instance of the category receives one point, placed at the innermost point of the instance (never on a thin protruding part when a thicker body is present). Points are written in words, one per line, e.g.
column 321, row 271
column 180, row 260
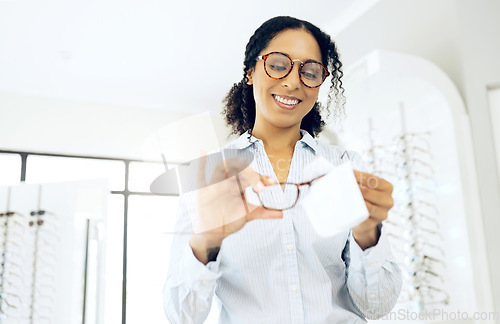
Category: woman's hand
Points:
column 222, row 207
column 377, row 194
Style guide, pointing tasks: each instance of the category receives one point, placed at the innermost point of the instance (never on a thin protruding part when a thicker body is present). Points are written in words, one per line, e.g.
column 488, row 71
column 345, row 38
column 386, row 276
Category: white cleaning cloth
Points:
column 334, row 203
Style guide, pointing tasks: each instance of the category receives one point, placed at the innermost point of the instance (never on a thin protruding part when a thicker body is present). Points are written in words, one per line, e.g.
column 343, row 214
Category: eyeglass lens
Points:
column 280, row 196
column 279, row 65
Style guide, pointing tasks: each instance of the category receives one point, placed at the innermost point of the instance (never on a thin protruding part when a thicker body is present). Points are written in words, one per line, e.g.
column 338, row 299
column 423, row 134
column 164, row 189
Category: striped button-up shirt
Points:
column 281, row 270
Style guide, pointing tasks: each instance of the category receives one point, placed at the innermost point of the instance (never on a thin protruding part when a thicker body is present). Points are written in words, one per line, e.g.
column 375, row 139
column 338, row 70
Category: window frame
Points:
column 126, row 193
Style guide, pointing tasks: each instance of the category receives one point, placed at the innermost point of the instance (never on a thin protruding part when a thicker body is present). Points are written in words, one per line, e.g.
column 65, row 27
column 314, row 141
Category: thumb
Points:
column 263, row 182
column 264, row 213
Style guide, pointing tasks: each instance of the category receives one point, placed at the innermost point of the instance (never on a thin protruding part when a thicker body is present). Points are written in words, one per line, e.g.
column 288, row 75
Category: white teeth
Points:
column 286, row 101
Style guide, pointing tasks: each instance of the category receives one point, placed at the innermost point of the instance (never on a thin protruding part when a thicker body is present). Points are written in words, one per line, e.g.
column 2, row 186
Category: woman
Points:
column 268, row 265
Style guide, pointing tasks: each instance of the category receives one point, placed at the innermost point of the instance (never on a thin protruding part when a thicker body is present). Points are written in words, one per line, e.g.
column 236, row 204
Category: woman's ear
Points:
column 249, row 78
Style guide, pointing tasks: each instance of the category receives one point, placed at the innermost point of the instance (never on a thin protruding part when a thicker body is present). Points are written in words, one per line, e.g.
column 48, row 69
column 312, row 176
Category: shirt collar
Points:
column 243, row 141
column 308, row 140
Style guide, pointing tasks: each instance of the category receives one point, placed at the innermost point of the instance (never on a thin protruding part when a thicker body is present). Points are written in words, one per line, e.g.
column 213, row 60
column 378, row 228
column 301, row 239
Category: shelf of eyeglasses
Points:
column 382, row 158
column 11, row 214
column 414, row 181
column 41, row 287
column 400, row 146
column 403, row 170
column 26, row 231
column 406, row 245
column 23, row 314
column 34, row 213
column 401, row 167
column 414, row 136
column 411, row 234
column 420, row 261
column 12, row 231
column 28, row 286
column 422, row 275
column 401, row 223
column 14, row 285
column 43, row 254
column 403, row 195
column 6, row 217
column 43, row 265
column 414, row 212
column 21, row 239
column 15, row 307
column 418, row 204
column 45, row 227
column 419, row 254
column 12, row 220
column 16, row 243
column 42, row 297
column 400, row 160
column 421, row 265
column 408, row 138
column 13, row 312
column 425, row 293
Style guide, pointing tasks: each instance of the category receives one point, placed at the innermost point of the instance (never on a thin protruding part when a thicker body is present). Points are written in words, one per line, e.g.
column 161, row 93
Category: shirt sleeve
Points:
column 189, row 288
column 373, row 277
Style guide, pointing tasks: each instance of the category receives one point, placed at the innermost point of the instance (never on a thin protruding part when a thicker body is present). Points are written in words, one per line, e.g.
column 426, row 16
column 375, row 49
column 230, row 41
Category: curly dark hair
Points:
column 239, row 103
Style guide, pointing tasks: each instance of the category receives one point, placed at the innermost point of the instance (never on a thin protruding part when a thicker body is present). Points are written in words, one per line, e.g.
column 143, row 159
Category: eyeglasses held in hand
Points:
column 283, row 195
column 279, row 65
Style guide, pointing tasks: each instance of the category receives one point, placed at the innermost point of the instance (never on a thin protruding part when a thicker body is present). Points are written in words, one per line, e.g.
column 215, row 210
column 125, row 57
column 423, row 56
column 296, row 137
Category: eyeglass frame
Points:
column 298, row 185
column 265, row 56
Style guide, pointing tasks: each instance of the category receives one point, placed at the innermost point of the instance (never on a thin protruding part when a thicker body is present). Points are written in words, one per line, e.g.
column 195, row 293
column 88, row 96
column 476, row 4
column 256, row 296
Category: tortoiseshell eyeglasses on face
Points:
column 278, row 66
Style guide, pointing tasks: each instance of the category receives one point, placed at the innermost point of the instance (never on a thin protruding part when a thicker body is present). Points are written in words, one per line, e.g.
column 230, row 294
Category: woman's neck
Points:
column 276, row 139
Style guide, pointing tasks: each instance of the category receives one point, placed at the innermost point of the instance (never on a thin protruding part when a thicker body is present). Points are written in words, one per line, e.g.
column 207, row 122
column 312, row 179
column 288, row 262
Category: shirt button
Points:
column 293, row 287
column 205, row 282
column 373, row 264
column 202, row 310
column 372, row 296
column 289, row 247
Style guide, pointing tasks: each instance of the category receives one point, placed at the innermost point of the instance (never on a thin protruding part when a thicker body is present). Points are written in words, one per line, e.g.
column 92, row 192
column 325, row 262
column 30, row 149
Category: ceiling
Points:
column 172, row 55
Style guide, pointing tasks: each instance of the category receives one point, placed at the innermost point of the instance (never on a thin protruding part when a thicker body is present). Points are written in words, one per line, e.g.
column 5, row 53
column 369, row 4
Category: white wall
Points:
column 494, row 101
column 461, row 37
column 479, row 28
column 424, row 28
column 36, row 124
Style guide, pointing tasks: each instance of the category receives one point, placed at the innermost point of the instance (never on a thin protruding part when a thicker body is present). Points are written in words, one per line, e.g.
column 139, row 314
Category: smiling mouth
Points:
column 287, row 101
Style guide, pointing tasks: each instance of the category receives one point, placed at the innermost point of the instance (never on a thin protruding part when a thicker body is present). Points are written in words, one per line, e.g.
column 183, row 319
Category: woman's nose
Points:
column 292, row 80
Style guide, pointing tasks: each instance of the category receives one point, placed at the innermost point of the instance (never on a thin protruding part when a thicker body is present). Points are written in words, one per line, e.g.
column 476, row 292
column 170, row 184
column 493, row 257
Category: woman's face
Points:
column 283, row 103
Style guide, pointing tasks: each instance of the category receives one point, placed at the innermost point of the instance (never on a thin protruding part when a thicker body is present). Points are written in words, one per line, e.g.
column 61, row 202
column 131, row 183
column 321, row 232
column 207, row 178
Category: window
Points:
column 53, row 169
column 150, row 222
column 10, row 169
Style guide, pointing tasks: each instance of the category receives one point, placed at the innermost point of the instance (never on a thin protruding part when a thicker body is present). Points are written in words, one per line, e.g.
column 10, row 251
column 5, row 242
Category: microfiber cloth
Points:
column 334, row 203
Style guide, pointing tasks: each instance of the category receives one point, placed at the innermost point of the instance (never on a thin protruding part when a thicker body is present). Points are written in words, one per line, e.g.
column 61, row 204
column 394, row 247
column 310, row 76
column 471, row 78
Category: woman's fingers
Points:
column 264, row 213
column 268, row 181
column 372, row 181
column 202, row 182
column 377, row 197
column 376, row 213
column 263, row 182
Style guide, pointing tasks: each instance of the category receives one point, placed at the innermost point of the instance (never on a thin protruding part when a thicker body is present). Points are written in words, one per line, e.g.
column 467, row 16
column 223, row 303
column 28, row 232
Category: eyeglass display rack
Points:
column 413, row 225
column 28, row 261
column 52, row 252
